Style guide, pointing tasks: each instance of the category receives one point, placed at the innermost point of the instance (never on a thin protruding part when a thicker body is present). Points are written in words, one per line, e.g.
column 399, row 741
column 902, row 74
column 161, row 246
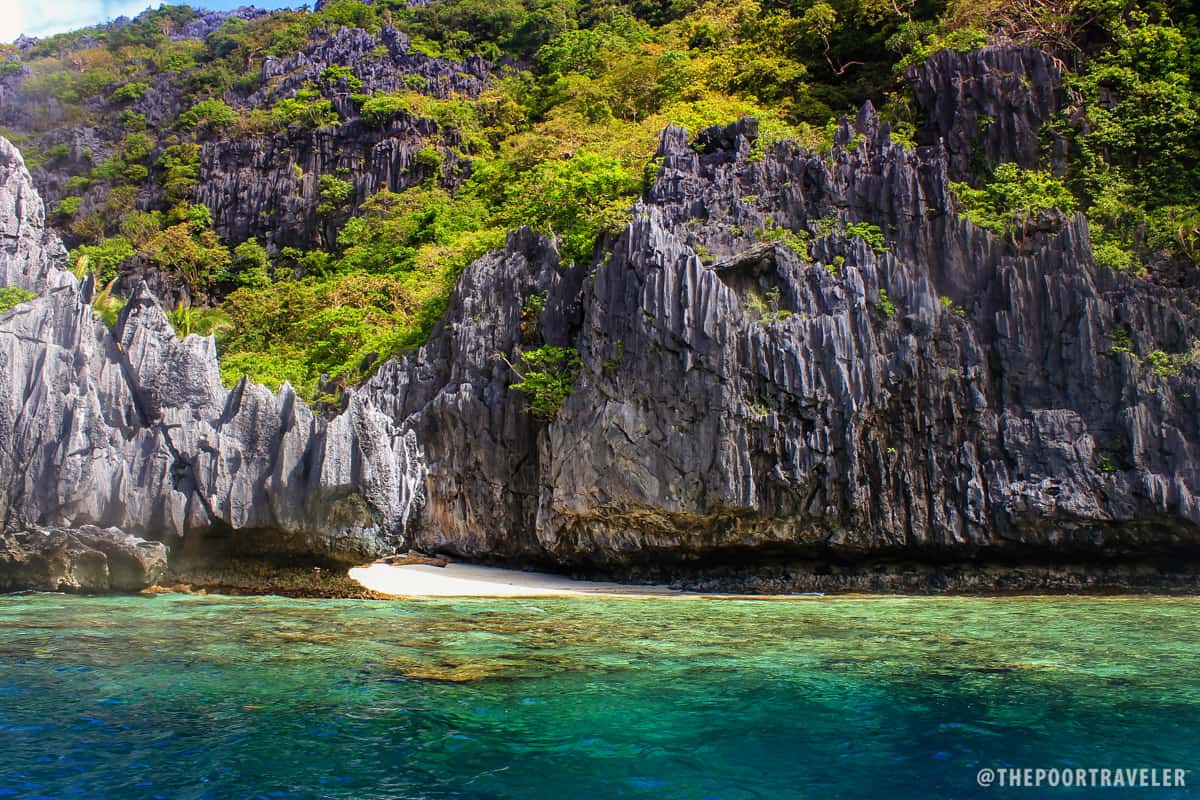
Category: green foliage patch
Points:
column 211, row 112
column 547, row 376
column 1013, row 199
column 12, row 296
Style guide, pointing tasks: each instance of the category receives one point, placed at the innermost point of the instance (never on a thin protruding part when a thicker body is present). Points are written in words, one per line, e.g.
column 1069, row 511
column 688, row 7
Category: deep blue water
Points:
column 210, row 697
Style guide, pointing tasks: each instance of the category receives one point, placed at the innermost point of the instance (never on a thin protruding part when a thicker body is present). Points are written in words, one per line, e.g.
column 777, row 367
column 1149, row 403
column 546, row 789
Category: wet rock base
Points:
column 907, row 577
column 86, row 560
column 263, row 578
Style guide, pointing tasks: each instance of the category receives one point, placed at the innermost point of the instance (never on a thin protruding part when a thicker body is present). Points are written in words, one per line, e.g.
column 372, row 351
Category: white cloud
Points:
column 46, row 17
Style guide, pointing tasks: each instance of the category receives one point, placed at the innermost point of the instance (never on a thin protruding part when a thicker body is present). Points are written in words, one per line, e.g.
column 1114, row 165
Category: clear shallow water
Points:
column 194, row 697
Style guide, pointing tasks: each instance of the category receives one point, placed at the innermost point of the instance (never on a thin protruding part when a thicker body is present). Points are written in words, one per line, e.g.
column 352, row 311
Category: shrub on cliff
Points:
column 308, row 109
column 1013, row 198
column 103, row 258
column 211, row 113
column 12, row 296
column 190, row 250
column 128, row 92
column 547, row 375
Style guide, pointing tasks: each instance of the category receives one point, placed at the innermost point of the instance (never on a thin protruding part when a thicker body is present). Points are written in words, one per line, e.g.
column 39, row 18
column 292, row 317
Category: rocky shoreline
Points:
column 94, row 561
column 91, row 560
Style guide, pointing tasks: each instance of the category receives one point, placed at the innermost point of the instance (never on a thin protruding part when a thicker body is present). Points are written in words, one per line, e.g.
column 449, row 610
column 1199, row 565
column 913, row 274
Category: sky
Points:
column 45, row 17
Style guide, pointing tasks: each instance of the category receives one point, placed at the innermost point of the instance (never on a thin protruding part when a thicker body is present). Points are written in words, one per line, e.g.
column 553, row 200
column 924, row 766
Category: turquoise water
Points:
column 211, row 697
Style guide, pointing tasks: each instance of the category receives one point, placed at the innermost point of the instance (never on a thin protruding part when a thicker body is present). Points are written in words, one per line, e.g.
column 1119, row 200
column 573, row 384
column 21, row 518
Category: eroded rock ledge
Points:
column 86, row 559
column 766, row 400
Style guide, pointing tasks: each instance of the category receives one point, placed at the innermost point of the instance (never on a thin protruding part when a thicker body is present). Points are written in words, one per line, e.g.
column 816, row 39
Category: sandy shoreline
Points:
column 473, row 580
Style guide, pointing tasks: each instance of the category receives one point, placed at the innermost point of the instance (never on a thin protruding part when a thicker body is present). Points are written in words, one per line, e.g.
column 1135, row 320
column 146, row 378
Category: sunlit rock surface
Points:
column 132, row 428
column 767, row 399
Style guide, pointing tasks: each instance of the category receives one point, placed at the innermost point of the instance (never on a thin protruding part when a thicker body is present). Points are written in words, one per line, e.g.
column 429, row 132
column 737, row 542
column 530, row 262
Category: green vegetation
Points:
column 103, row 258
column 795, row 241
column 547, row 375
column 1132, row 130
column 887, row 309
column 379, row 293
column 179, row 167
column 213, row 113
column 766, row 308
column 201, row 321
column 191, row 252
column 1120, row 342
column 1164, row 364
column 129, row 92
column 308, row 109
column 949, row 304
column 335, row 193
column 531, row 317
column 1136, row 142
column 252, row 265
column 1013, row 199
column 11, row 296
column 564, row 145
column 106, row 306
column 68, row 206
column 870, row 234
column 339, row 73
column 563, row 140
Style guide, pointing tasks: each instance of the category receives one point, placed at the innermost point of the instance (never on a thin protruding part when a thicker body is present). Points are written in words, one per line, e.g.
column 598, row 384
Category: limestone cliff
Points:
column 132, row 428
column 767, row 400
column 948, row 398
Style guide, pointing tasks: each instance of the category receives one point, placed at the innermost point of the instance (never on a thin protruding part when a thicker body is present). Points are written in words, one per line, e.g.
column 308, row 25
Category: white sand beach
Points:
column 472, row 580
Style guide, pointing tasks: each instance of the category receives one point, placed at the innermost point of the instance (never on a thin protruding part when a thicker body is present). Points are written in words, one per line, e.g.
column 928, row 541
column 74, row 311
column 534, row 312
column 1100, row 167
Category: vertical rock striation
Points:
column 949, row 397
column 790, row 363
column 484, row 458
column 989, row 106
column 31, row 256
column 267, row 186
column 132, row 428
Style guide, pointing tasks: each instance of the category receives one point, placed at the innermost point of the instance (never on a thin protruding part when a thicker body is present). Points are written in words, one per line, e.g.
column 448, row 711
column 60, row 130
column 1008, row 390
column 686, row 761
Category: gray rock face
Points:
column 794, row 368
column 268, row 187
column 485, row 476
column 211, row 21
column 87, row 559
column 31, row 256
column 988, row 106
column 949, row 397
column 132, row 428
column 988, row 414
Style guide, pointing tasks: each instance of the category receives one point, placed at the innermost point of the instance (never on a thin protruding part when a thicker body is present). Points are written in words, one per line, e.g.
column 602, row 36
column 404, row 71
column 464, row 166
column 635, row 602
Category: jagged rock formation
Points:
column 31, row 257
column 767, row 400
column 988, row 107
column 132, row 428
column 267, row 187
column 485, row 478
column 987, row 416
column 210, row 21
